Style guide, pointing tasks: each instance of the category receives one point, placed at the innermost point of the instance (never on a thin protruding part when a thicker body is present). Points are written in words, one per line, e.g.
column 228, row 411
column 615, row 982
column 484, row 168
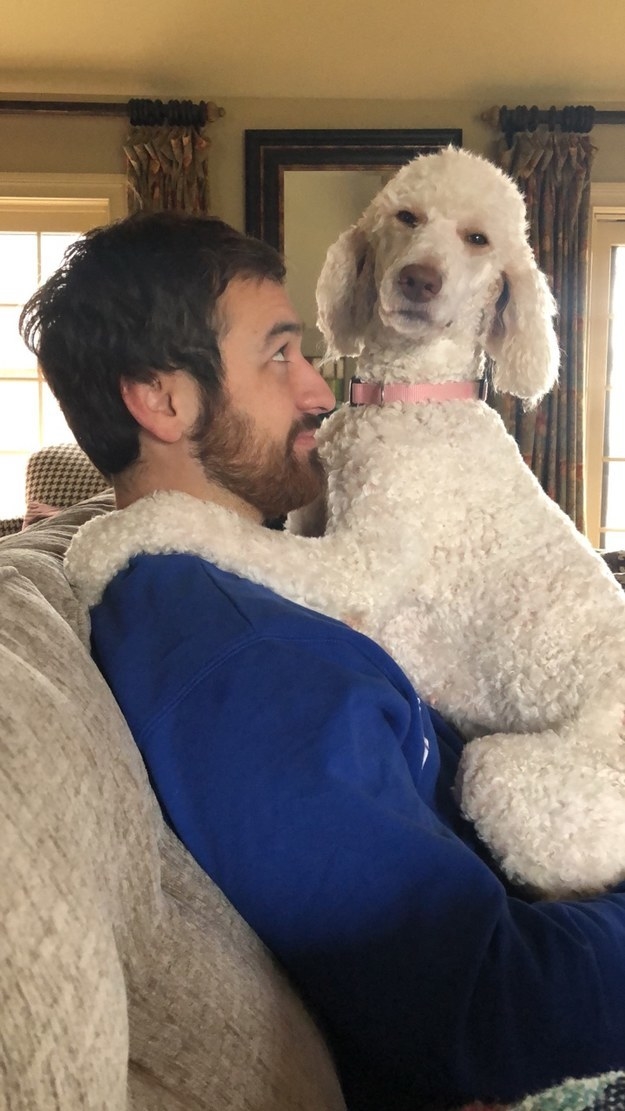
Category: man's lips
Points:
column 306, row 438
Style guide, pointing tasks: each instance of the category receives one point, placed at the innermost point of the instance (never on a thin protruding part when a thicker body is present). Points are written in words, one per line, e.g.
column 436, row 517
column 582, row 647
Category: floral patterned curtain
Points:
column 553, row 168
column 167, row 160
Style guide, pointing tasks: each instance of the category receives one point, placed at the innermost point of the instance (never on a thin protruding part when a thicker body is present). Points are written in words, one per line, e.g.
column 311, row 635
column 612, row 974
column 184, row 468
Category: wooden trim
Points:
column 269, row 153
column 608, row 228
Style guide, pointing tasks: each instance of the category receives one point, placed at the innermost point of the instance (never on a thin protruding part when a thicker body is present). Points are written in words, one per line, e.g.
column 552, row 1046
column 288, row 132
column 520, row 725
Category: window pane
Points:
column 616, row 352
column 53, row 247
column 613, row 501
column 12, row 485
column 19, row 415
column 55, row 430
column 615, row 422
column 18, row 266
column 14, row 355
column 618, row 280
column 29, row 415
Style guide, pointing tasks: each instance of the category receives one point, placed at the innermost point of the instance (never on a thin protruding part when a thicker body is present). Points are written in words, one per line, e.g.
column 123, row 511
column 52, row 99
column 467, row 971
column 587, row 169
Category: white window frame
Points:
column 607, row 201
column 58, row 203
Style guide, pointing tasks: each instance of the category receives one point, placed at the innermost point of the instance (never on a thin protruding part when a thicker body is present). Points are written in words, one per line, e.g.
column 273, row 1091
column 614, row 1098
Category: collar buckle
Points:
column 354, row 381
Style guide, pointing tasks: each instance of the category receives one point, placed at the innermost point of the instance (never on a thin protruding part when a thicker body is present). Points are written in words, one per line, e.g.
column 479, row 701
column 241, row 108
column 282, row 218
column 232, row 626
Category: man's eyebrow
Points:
column 281, row 328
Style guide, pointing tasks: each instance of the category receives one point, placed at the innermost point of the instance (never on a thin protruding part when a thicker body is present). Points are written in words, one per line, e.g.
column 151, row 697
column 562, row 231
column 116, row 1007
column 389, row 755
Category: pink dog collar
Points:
column 383, row 393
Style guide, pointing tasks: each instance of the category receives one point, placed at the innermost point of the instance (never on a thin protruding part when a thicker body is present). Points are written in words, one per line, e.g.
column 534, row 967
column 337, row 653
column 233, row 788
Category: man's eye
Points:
column 407, row 217
column 280, row 356
column 477, row 239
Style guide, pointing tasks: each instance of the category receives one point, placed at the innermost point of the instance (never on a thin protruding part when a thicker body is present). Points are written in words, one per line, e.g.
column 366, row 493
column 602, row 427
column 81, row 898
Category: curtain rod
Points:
column 582, row 118
column 139, row 110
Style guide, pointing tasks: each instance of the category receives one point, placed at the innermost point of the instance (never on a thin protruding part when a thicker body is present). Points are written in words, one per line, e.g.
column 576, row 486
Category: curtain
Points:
column 553, row 168
column 167, row 168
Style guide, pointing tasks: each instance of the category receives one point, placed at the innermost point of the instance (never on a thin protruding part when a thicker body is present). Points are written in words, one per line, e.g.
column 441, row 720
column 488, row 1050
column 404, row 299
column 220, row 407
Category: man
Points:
column 288, row 752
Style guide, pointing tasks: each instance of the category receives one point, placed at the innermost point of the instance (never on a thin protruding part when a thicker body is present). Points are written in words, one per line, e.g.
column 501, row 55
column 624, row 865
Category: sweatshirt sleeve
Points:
column 296, row 782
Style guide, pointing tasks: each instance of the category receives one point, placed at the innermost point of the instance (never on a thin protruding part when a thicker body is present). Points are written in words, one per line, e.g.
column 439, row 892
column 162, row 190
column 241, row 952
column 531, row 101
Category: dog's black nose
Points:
column 419, row 282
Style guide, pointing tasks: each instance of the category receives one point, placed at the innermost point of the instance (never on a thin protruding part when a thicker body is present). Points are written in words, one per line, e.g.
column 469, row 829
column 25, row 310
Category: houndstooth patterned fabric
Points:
column 62, row 475
column 616, row 563
column 10, row 525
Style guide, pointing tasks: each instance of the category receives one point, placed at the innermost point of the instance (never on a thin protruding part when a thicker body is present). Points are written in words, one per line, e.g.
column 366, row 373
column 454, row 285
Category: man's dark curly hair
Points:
column 130, row 299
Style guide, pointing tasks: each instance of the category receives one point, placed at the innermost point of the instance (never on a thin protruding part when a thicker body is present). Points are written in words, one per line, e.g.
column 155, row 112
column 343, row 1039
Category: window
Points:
column 605, row 414
column 39, row 218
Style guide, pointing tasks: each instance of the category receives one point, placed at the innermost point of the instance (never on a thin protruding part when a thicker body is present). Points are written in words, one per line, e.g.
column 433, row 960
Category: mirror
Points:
column 303, row 188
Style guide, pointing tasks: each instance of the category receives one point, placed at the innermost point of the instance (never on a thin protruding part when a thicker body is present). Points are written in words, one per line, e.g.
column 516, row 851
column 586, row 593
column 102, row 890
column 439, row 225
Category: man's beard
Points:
column 268, row 476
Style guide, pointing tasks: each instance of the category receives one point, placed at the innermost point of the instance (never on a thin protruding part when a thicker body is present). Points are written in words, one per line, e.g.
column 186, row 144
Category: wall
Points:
column 94, row 145
column 317, row 207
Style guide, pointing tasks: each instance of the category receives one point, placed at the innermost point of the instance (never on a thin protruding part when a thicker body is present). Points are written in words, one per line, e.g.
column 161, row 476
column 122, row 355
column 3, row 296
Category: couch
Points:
column 127, row 981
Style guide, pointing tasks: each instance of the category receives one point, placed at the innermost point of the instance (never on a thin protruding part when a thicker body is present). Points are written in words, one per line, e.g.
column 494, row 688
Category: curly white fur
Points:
column 440, row 543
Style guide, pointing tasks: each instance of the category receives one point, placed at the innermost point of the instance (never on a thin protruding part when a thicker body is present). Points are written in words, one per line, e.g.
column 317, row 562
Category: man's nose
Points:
column 315, row 394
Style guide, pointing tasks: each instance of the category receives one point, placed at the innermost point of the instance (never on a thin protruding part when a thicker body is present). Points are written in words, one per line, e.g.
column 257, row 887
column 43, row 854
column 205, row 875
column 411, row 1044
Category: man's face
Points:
column 259, row 442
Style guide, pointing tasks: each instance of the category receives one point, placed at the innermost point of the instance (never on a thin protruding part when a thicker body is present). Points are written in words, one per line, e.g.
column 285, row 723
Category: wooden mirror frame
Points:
column 269, row 153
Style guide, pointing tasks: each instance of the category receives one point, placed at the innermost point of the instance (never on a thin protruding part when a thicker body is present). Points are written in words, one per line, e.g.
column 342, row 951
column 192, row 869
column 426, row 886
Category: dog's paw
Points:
column 550, row 809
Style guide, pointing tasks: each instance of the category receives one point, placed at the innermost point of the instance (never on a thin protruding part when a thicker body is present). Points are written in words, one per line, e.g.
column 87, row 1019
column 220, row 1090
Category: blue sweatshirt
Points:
column 297, row 764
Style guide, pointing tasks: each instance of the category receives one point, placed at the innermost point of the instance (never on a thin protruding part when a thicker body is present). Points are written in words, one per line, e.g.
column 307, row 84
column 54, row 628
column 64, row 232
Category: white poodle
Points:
column 508, row 621
column 440, row 542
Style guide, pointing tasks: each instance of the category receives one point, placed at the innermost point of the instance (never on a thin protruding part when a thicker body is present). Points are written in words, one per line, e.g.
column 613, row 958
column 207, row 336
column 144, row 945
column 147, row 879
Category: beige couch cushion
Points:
column 116, row 947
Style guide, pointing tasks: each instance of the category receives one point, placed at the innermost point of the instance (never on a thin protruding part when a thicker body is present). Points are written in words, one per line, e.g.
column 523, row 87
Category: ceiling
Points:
column 564, row 50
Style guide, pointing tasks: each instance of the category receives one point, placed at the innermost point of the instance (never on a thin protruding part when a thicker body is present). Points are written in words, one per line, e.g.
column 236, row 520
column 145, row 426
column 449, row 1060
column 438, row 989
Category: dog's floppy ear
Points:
column 522, row 340
column 346, row 293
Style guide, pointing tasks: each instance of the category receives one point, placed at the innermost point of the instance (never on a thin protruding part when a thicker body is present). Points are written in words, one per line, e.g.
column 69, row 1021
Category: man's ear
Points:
column 165, row 406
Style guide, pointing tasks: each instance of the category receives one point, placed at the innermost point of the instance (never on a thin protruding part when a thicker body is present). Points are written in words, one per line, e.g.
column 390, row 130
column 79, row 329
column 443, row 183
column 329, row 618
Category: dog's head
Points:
column 442, row 250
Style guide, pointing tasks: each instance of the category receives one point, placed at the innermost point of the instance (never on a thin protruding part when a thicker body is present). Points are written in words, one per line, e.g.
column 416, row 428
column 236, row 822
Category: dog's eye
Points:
column 407, row 217
column 477, row 239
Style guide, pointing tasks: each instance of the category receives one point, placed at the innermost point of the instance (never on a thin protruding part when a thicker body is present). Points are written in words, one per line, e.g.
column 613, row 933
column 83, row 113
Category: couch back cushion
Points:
column 127, row 980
